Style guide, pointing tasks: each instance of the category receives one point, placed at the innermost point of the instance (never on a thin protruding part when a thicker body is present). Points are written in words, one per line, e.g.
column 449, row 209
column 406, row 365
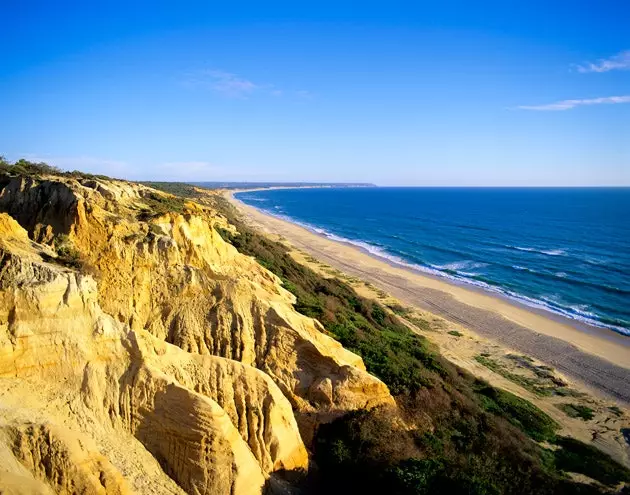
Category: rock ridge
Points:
column 139, row 352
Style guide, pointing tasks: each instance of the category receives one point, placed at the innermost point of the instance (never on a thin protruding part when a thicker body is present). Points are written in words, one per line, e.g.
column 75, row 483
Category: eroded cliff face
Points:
column 157, row 359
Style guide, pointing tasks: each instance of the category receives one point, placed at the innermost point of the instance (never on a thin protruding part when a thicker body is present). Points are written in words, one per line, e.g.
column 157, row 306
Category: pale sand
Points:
column 598, row 358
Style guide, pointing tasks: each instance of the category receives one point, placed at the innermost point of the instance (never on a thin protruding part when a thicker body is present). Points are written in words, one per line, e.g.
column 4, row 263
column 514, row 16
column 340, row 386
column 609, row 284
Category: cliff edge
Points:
column 139, row 352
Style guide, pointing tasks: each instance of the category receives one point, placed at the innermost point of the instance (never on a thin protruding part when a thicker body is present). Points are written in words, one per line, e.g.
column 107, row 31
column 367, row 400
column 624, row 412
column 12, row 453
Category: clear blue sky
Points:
column 396, row 93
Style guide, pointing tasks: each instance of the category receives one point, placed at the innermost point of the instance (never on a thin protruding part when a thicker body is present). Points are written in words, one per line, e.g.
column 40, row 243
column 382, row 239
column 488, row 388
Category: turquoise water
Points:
column 562, row 250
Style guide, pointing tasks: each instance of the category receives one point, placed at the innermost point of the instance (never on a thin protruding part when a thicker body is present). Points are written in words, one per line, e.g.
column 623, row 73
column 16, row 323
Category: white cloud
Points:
column 569, row 104
column 230, row 85
column 617, row 62
column 227, row 84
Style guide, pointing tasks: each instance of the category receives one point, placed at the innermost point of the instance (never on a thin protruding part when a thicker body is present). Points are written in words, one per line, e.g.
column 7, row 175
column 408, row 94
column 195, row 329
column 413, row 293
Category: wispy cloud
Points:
column 231, row 85
column 224, row 83
column 569, row 104
column 620, row 61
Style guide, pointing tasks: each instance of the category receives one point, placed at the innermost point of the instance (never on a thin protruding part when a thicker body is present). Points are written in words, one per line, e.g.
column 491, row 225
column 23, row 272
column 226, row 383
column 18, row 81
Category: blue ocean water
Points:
column 565, row 250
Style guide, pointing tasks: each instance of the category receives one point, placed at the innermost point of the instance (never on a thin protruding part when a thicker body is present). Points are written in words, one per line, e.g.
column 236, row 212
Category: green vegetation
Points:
column 616, row 411
column 37, row 169
column 577, row 411
column 408, row 314
column 521, row 413
column 455, row 333
column 577, row 457
column 176, row 188
column 396, row 308
column 541, row 371
column 158, row 204
column 25, row 167
column 66, row 253
column 545, row 383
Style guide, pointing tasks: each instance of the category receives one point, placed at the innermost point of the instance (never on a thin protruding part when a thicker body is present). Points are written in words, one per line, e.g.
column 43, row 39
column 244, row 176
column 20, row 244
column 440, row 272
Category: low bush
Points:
column 521, row 413
column 38, row 169
column 158, row 204
column 577, row 411
column 577, row 457
column 66, row 253
column 26, row 167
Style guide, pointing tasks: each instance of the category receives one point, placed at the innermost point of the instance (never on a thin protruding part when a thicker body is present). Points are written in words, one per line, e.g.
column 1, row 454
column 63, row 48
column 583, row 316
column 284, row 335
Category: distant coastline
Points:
column 259, row 186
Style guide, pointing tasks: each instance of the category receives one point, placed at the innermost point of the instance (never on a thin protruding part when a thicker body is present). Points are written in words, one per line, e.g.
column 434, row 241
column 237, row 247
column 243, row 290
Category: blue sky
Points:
column 396, row 93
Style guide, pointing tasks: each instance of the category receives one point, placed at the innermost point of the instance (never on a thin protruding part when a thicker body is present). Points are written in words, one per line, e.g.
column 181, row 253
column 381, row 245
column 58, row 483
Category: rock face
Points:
column 145, row 354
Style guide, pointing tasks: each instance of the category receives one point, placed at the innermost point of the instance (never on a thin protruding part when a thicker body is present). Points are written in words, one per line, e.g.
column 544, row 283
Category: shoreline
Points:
column 618, row 335
column 597, row 357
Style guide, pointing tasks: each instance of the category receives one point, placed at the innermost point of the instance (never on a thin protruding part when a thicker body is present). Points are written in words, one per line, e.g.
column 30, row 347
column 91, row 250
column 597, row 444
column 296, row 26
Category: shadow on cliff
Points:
column 292, row 482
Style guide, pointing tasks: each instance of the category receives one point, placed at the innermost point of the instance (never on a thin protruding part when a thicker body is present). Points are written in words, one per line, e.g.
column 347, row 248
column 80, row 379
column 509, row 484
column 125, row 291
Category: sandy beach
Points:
column 596, row 358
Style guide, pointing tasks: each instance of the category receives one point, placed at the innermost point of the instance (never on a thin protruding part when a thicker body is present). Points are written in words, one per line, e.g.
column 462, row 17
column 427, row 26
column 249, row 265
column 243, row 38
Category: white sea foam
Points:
column 550, row 305
column 458, row 266
column 548, row 252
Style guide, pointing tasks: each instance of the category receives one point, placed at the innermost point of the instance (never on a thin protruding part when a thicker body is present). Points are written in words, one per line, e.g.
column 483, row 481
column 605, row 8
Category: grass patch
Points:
column 521, row 413
column 408, row 314
column 180, row 189
column 578, row 457
column 616, row 411
column 158, row 204
column 541, row 371
column 577, row 411
column 455, row 333
column 533, row 385
column 399, row 309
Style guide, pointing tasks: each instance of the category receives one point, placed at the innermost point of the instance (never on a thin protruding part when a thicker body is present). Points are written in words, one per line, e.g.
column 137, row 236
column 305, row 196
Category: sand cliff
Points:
column 142, row 353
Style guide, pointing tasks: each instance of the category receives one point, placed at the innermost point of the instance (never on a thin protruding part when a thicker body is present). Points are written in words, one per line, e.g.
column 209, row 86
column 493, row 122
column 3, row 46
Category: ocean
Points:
column 564, row 250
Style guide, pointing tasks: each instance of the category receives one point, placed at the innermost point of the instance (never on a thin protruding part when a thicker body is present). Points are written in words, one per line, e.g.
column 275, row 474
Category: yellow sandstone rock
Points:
column 150, row 356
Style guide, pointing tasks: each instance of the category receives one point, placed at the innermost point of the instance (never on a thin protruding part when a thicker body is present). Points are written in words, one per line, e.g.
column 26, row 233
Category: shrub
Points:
column 577, row 411
column 36, row 169
column 577, row 457
column 158, row 204
column 26, row 167
column 66, row 253
column 521, row 413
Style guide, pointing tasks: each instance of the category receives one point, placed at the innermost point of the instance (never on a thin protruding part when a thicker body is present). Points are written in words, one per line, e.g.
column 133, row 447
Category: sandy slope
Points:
column 597, row 358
